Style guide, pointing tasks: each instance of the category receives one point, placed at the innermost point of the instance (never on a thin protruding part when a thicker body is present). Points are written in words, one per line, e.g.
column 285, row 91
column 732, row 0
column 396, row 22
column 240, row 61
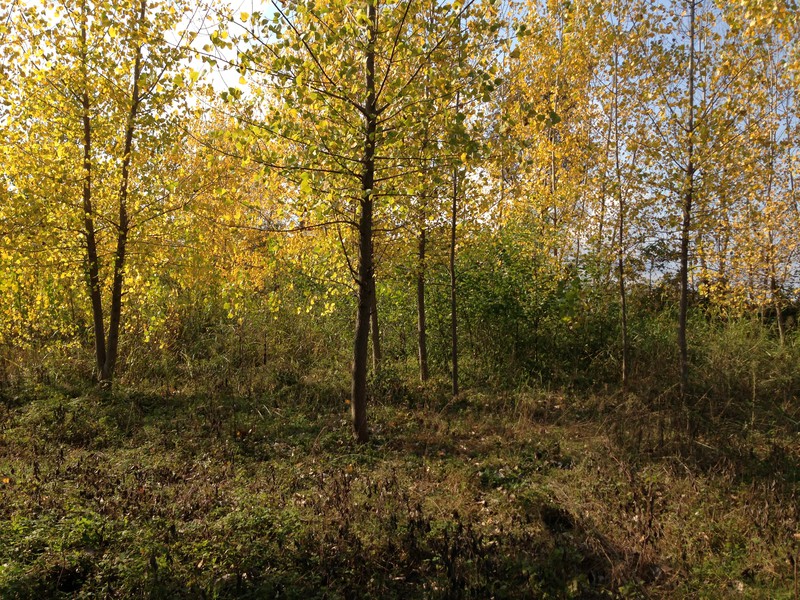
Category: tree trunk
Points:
column 115, row 316
column 773, row 286
column 553, row 189
column 623, row 300
column 688, row 201
column 376, row 333
column 603, row 189
column 366, row 282
column 365, row 291
column 422, row 337
column 684, row 283
column 89, row 231
column 778, row 311
column 453, row 294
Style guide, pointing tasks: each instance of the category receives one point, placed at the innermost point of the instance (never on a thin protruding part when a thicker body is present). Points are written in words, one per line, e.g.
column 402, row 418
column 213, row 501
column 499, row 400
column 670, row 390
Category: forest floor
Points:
column 523, row 495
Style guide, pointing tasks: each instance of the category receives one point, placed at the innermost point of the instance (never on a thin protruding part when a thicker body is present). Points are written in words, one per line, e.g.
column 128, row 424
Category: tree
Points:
column 343, row 87
column 620, row 174
column 92, row 114
column 687, row 207
column 692, row 119
column 751, row 260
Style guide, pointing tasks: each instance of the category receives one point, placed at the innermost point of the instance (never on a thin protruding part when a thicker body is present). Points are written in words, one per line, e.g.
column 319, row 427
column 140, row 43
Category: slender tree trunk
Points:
column 422, row 325
column 366, row 291
column 778, row 311
column 115, row 316
column 603, row 186
column 623, row 300
column 422, row 337
column 453, row 292
column 684, row 291
column 89, row 231
column 773, row 268
column 723, row 242
column 376, row 333
column 366, row 282
column 553, row 189
column 688, row 201
column 773, row 283
column 791, row 166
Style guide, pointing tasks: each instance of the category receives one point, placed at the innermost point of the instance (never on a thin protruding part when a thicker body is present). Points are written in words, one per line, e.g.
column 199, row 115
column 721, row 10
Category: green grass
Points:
column 495, row 496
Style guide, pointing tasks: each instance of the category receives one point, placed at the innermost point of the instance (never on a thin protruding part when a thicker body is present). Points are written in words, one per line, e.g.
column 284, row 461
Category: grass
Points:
column 494, row 496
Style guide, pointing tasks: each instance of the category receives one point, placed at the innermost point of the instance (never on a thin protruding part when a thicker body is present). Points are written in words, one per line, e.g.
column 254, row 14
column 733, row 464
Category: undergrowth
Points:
column 506, row 495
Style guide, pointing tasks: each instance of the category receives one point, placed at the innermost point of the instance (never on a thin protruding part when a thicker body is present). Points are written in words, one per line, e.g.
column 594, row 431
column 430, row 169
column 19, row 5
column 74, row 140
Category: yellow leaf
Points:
column 244, row 16
column 305, row 184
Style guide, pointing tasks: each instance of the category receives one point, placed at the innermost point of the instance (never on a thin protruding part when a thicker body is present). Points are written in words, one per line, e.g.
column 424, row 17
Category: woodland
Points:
column 409, row 299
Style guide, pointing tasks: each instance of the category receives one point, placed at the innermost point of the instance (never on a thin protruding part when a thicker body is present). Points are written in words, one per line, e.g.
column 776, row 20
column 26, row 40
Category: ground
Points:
column 496, row 495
